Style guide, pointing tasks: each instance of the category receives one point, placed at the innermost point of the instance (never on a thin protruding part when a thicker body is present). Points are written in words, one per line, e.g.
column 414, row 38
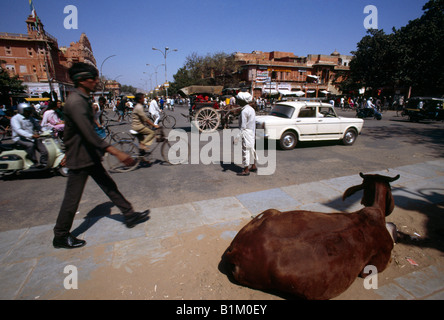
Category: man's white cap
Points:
column 245, row 96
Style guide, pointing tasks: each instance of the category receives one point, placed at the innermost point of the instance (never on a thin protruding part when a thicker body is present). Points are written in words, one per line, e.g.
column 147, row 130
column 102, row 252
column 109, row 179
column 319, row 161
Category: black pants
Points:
column 74, row 190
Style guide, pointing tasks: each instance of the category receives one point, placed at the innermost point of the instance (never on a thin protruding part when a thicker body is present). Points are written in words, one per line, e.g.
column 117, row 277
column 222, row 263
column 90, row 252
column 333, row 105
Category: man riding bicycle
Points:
column 145, row 134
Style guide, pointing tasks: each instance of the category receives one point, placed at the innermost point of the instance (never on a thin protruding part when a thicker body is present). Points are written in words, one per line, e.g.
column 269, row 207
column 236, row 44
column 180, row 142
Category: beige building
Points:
column 276, row 72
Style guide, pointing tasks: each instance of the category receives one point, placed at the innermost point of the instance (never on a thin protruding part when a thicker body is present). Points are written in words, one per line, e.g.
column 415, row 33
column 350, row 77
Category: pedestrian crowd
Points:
column 360, row 102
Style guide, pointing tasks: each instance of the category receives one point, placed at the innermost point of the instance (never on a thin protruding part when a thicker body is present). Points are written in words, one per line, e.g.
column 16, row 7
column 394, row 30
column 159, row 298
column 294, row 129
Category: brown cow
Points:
column 314, row 255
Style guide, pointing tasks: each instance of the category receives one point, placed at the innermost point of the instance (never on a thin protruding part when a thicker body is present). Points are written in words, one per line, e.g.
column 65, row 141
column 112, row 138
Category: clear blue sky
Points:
column 129, row 29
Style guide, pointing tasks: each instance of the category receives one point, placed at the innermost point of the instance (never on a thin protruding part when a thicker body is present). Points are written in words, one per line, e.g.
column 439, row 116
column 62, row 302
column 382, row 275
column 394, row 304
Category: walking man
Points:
column 84, row 151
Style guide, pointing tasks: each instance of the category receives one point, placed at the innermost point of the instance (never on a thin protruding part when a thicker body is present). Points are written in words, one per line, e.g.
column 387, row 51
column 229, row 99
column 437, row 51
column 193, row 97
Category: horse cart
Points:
column 205, row 108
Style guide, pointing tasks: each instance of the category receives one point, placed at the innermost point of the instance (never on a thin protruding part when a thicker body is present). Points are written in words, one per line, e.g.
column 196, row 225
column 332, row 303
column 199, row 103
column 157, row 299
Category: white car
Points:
column 293, row 121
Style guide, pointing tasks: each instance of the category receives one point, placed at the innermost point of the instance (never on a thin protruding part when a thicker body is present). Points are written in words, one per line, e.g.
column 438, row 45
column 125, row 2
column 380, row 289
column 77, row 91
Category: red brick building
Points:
column 36, row 59
column 285, row 73
column 80, row 51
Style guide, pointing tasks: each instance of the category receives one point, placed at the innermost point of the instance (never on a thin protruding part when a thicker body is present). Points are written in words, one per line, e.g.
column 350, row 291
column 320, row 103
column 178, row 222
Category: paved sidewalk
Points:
column 30, row 268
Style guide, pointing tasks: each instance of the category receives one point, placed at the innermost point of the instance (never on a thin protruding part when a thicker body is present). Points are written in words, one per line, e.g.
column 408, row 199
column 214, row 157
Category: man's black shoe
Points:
column 68, row 242
column 136, row 218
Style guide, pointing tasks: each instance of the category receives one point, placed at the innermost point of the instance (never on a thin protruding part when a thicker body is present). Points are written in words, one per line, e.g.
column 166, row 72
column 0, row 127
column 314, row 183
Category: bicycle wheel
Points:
column 169, row 122
column 127, row 146
column 172, row 154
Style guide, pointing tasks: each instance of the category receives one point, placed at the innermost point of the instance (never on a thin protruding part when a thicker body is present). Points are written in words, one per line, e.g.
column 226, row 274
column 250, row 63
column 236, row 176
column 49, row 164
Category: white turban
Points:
column 245, row 96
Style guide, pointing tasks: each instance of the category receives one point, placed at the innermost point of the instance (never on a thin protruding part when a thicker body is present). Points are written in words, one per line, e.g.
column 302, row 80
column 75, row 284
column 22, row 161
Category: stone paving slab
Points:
column 30, row 268
column 257, row 202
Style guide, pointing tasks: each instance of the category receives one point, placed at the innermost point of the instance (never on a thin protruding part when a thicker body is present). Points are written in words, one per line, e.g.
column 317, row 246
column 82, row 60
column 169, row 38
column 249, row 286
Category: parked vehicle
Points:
column 207, row 114
column 425, row 108
column 293, row 121
column 368, row 112
column 13, row 159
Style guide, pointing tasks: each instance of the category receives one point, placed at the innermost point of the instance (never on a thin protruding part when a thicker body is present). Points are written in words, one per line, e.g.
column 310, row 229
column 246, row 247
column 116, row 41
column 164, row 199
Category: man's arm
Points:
column 120, row 155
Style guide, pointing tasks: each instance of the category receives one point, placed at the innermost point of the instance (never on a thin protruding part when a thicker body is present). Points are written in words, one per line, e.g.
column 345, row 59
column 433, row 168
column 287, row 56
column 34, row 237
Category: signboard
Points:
column 262, row 76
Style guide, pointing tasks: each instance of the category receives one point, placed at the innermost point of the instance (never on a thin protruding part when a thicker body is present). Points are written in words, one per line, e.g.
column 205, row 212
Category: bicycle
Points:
column 113, row 136
column 166, row 120
column 131, row 146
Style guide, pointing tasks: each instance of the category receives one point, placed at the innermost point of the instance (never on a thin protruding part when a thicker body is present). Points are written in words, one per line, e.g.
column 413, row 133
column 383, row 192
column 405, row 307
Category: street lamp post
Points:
column 103, row 85
column 155, row 71
column 165, row 57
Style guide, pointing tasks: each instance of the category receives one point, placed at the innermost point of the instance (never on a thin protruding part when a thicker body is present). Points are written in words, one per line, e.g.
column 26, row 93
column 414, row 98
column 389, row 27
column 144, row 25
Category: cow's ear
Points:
column 352, row 190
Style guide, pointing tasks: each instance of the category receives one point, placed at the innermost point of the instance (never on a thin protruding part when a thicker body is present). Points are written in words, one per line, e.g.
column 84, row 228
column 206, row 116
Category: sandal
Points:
column 243, row 173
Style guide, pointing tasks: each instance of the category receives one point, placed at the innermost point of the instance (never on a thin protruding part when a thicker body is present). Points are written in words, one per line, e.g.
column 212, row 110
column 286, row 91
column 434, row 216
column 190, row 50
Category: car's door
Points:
column 307, row 123
column 328, row 124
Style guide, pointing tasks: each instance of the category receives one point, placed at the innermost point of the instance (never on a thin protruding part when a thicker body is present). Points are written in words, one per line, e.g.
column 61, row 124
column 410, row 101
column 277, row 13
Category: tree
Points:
column 411, row 56
column 9, row 86
column 216, row 69
column 420, row 46
column 128, row 89
column 374, row 62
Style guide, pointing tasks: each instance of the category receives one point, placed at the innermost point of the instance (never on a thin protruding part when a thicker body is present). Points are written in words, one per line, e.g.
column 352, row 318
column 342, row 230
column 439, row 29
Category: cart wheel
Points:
column 207, row 119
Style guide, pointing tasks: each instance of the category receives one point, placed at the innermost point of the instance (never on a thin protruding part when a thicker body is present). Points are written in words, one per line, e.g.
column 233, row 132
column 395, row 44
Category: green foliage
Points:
column 411, row 56
column 9, row 86
column 128, row 89
column 216, row 69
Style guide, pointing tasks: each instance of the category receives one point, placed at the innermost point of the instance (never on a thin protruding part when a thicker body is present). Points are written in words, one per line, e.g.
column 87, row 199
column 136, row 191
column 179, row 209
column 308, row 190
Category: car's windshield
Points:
column 282, row 111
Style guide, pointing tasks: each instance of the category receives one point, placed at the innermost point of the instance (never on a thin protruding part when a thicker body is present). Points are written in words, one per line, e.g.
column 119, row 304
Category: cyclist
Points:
column 154, row 110
column 145, row 134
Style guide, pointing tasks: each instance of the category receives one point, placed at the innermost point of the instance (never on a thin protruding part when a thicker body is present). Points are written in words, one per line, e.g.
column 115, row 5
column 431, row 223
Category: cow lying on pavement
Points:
column 315, row 255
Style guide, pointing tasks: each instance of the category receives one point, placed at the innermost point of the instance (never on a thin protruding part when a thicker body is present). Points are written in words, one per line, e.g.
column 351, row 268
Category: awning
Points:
column 285, row 92
column 202, row 89
column 325, row 92
column 299, row 93
column 271, row 92
column 312, row 76
column 37, row 99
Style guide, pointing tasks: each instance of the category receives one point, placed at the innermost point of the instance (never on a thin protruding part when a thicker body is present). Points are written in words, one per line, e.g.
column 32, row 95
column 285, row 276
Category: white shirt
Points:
column 247, row 126
column 21, row 127
column 154, row 107
column 247, row 119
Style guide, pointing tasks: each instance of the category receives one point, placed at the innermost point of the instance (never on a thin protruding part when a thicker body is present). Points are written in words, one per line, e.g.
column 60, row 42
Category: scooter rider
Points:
column 24, row 133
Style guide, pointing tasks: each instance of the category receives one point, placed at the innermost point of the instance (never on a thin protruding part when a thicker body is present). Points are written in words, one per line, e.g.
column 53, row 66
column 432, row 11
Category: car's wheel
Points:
column 349, row 137
column 288, row 141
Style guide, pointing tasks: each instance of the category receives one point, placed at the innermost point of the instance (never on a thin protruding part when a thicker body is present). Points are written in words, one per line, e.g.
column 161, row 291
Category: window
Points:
column 23, row 69
column 307, row 112
column 327, row 112
column 30, row 52
column 8, row 51
column 282, row 111
column 10, row 67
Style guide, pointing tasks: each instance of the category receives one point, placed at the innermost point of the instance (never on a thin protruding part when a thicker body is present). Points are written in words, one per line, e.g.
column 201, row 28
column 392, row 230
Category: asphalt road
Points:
column 31, row 200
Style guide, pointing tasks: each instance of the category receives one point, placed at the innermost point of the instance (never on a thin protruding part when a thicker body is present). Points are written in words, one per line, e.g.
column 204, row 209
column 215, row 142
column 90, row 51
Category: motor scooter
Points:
column 13, row 159
column 368, row 112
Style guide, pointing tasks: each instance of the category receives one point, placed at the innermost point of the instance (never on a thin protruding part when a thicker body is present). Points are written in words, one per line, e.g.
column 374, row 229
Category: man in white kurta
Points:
column 247, row 126
column 154, row 110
